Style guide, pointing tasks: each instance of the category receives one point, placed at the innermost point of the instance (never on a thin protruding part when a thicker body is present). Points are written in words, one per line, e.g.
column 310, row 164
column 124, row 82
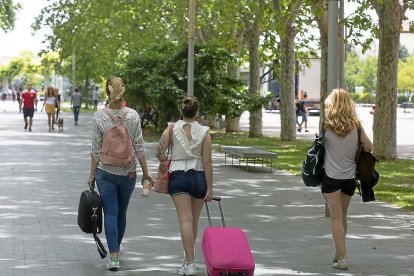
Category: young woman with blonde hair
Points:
column 50, row 102
column 339, row 182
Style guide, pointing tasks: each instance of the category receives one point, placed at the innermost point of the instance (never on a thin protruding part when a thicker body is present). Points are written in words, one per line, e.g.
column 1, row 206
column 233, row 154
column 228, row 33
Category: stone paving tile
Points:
column 284, row 220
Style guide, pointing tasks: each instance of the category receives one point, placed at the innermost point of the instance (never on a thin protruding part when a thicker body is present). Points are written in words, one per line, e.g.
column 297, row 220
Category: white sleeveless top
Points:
column 187, row 154
column 51, row 100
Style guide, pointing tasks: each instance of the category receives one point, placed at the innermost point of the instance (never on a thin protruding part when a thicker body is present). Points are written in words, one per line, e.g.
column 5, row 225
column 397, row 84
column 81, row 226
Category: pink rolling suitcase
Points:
column 226, row 250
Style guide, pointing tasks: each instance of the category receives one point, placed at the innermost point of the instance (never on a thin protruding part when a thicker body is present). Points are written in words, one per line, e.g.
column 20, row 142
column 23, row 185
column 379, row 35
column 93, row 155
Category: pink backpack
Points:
column 117, row 149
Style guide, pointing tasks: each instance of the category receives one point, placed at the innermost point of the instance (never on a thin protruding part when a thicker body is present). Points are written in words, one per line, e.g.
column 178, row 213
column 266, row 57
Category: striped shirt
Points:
column 102, row 123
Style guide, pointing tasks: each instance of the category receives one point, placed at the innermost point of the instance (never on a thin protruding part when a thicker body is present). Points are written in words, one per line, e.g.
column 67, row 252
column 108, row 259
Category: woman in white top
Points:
column 50, row 103
column 191, row 180
column 338, row 184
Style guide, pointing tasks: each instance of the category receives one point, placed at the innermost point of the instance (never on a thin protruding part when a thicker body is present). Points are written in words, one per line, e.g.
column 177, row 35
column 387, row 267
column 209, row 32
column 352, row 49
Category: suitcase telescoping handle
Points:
column 218, row 199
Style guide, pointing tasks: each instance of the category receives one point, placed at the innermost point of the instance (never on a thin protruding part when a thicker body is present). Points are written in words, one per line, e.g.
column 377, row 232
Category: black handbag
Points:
column 90, row 217
column 313, row 165
column 365, row 162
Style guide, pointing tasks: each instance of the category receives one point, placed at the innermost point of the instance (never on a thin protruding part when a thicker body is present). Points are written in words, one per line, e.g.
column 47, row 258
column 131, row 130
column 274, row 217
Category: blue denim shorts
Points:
column 191, row 182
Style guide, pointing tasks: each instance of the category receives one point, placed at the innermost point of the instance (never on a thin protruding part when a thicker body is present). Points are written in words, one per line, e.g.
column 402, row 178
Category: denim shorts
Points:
column 330, row 185
column 191, row 182
column 304, row 116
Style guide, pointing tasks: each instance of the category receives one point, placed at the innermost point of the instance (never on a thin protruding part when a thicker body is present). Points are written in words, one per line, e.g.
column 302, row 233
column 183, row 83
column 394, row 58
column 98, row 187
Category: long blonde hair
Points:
column 340, row 114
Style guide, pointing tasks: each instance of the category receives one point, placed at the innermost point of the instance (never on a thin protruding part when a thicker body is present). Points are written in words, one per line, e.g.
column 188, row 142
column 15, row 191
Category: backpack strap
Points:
column 112, row 117
column 360, row 147
column 170, row 142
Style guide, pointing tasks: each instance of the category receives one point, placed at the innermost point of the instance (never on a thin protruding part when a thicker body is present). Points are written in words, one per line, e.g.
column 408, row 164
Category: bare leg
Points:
column 188, row 212
column 197, row 206
column 49, row 121
column 338, row 216
column 345, row 200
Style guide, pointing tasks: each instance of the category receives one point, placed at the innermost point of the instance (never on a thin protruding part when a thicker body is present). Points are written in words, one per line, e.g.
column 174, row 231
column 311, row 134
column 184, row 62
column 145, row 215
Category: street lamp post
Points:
column 191, row 38
column 341, row 51
column 333, row 69
column 332, row 45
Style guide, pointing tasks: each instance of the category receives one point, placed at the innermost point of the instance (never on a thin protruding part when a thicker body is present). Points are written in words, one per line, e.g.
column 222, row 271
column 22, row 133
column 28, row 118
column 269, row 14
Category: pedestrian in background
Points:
column 303, row 112
column 29, row 101
column 18, row 96
column 76, row 103
column 116, row 184
column 50, row 102
column 3, row 98
column 297, row 111
column 58, row 103
column 95, row 98
column 191, row 180
column 339, row 181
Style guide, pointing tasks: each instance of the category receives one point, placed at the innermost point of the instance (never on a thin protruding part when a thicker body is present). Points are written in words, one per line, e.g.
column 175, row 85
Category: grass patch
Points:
column 396, row 182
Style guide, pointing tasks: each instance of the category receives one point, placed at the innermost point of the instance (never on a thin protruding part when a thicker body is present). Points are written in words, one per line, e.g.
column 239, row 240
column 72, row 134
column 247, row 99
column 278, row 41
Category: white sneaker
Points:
column 113, row 264
column 190, row 270
column 341, row 264
column 181, row 271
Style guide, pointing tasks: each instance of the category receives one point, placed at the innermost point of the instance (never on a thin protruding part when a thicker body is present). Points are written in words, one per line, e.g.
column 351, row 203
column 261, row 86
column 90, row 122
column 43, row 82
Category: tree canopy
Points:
column 8, row 14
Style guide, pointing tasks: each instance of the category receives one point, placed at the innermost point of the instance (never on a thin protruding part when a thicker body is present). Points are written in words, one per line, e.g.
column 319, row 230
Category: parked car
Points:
column 313, row 106
column 406, row 105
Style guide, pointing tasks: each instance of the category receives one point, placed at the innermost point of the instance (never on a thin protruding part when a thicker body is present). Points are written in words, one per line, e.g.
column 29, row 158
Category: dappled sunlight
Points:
column 303, row 205
column 378, row 237
column 262, row 270
column 283, row 219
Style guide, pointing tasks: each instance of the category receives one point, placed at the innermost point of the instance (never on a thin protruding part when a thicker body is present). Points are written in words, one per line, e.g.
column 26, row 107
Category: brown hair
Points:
column 50, row 91
column 189, row 107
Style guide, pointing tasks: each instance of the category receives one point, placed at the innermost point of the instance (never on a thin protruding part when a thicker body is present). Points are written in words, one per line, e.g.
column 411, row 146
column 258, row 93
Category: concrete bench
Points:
column 248, row 154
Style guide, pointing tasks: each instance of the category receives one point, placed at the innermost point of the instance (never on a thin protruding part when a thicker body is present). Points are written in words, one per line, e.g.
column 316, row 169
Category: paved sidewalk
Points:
column 42, row 175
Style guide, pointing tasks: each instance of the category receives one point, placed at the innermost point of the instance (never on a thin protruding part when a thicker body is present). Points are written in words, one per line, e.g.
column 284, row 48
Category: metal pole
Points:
column 191, row 38
column 332, row 45
column 332, row 54
column 341, row 54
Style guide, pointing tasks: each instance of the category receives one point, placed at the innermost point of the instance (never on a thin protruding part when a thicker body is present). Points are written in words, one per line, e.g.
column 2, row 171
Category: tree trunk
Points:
column 233, row 124
column 213, row 121
column 287, row 35
column 86, row 94
column 255, row 120
column 385, row 118
column 287, row 97
column 5, row 81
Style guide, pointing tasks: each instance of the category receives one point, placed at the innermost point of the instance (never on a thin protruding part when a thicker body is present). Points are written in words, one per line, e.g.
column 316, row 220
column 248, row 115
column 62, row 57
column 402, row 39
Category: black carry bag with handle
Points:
column 313, row 165
column 90, row 217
